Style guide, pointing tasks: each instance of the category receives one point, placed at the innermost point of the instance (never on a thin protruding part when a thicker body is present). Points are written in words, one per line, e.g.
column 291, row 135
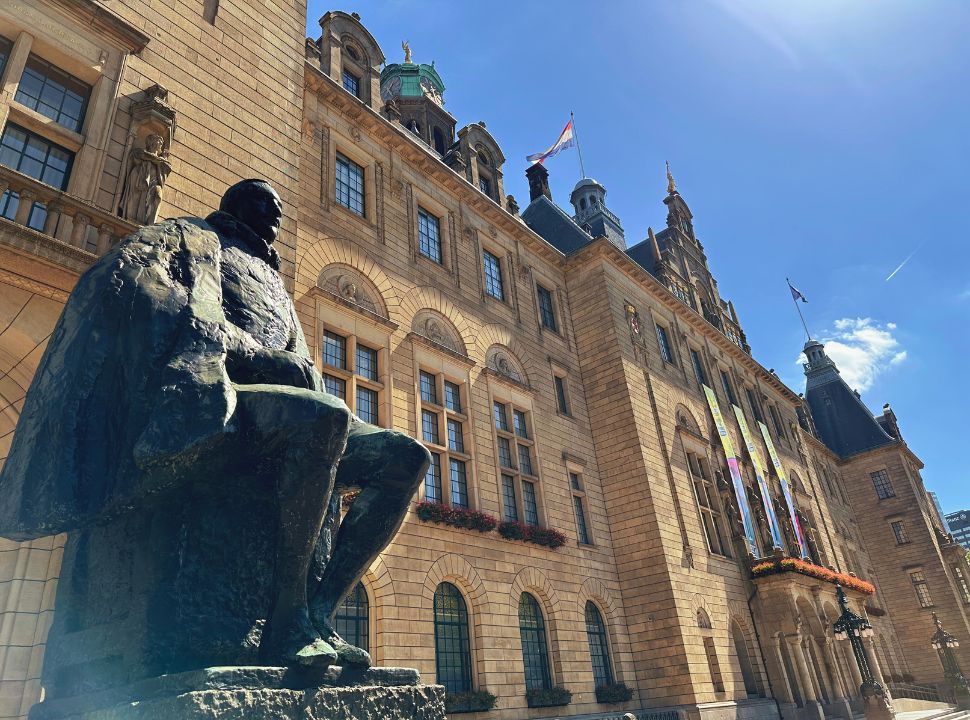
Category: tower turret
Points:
column 589, row 202
column 416, row 92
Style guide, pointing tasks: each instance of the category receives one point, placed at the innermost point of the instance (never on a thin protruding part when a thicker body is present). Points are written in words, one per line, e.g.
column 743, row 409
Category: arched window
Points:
column 744, row 660
column 582, row 203
column 351, row 621
column 452, row 653
column 439, row 141
column 535, row 652
column 599, row 649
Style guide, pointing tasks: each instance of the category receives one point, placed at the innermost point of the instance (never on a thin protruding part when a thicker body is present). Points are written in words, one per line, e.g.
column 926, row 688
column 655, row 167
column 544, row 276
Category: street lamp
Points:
column 943, row 642
column 853, row 628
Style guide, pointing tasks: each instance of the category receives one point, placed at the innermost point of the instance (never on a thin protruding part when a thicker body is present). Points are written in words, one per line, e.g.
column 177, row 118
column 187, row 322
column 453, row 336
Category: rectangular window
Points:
column 432, row 479
column 38, row 158
column 493, row 276
column 459, row 484
column 707, row 504
column 351, row 83
column 429, row 236
column 530, row 505
column 962, row 583
column 779, row 428
column 525, row 460
column 510, row 509
column 574, row 482
column 754, row 405
column 53, row 93
column 456, row 440
column 921, row 588
column 562, row 402
column 366, row 362
column 547, row 312
column 501, row 416
column 429, row 427
column 698, row 367
column 429, row 390
column 452, row 396
column 335, row 386
column 505, row 453
column 521, row 428
column 728, row 392
column 334, row 350
column 882, row 484
column 484, row 185
column 349, row 184
column 899, row 532
column 5, row 47
column 664, row 344
column 582, row 533
column 366, row 405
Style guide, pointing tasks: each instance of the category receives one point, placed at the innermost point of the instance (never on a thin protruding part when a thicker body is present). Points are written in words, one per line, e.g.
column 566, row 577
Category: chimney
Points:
column 538, row 181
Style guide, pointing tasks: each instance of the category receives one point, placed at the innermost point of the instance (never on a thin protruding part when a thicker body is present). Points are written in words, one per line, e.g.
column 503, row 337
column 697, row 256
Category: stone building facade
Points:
column 555, row 370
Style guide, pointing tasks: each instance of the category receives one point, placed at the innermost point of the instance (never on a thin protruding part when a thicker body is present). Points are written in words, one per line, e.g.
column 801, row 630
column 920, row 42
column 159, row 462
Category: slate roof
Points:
column 842, row 420
column 550, row 222
column 642, row 255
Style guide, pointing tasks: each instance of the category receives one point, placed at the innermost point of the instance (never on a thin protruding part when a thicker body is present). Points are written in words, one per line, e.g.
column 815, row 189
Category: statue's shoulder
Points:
column 172, row 236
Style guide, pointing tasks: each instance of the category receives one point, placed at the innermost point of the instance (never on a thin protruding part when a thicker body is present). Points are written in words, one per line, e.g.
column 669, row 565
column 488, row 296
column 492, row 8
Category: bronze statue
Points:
column 177, row 428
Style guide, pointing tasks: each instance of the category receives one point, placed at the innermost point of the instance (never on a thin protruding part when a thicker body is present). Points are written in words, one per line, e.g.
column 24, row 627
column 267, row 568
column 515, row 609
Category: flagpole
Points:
column 801, row 317
column 579, row 150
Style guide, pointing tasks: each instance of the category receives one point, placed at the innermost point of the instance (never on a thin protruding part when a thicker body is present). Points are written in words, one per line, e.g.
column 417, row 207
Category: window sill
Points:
column 33, row 120
column 353, row 214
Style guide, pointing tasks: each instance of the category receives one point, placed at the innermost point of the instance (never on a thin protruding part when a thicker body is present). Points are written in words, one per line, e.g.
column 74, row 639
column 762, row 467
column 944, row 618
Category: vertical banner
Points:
column 744, row 510
column 759, row 473
column 786, row 489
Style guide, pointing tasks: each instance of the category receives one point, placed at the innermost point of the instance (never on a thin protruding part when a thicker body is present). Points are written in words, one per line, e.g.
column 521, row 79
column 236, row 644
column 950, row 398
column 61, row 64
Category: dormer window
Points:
column 351, row 83
column 484, row 185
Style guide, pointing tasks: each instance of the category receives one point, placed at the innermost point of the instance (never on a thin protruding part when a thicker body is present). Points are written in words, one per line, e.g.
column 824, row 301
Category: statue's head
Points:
column 154, row 143
column 256, row 205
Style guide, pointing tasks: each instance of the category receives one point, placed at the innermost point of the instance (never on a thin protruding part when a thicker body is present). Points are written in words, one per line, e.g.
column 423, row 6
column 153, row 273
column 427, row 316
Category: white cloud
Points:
column 863, row 349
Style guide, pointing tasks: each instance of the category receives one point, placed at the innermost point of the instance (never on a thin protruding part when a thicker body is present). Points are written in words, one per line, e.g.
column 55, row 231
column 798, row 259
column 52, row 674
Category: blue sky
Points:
column 818, row 140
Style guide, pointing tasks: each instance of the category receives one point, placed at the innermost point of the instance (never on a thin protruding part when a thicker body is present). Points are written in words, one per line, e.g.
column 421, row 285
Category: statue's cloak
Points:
column 132, row 379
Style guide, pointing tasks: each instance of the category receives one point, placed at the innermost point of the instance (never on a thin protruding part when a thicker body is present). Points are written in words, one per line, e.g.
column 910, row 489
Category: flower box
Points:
column 458, row 517
column 548, row 697
column 534, row 534
column 774, row 567
column 613, row 694
column 471, row 701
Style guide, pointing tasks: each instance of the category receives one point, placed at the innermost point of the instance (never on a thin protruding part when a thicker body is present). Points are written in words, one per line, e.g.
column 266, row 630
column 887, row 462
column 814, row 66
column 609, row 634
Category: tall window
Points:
column 728, row 391
column 899, row 532
column 776, row 421
column 493, row 275
column 699, row 373
column 349, row 184
column 579, row 508
column 961, row 583
column 547, row 312
column 350, row 371
column 922, row 588
column 516, row 458
column 351, row 620
column 599, row 648
column 713, row 664
column 535, row 652
column 42, row 160
column 53, row 93
column 882, row 484
column 451, row 648
column 562, row 399
column 351, row 83
column 755, row 408
column 706, row 494
column 429, row 236
column 5, row 47
column 664, row 342
column 485, row 186
column 744, row 660
column 443, row 428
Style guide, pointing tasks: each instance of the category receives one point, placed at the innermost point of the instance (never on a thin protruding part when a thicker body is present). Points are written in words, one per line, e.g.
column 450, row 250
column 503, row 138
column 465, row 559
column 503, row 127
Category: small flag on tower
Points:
column 567, row 139
column 795, row 293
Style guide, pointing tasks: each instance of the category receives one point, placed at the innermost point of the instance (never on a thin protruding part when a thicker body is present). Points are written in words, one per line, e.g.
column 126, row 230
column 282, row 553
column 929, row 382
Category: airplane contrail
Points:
column 908, row 258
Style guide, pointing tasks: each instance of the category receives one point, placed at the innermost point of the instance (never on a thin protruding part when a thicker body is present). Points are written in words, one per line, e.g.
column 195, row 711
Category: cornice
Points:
column 601, row 247
column 396, row 137
column 94, row 14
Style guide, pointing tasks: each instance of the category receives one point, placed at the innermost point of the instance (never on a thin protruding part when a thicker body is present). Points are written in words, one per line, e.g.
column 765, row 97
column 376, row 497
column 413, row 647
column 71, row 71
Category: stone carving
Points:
column 351, row 286
column 438, row 330
column 148, row 169
column 504, row 364
column 178, row 430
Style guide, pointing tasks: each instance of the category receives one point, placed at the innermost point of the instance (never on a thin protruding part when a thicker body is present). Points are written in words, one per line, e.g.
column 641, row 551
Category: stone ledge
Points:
column 256, row 692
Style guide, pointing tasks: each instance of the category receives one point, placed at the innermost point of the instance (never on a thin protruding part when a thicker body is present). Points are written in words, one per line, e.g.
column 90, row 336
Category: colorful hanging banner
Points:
column 761, row 475
column 744, row 509
column 786, row 489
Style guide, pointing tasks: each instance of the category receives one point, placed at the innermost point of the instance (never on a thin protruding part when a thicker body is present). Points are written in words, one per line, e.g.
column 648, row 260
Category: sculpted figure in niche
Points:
column 148, row 168
column 179, row 431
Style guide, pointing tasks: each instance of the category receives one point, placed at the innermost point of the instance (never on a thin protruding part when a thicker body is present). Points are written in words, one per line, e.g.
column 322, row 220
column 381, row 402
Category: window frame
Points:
column 882, row 483
column 561, row 386
column 20, row 94
column 348, row 374
column 496, row 277
column 341, row 145
column 507, row 435
column 899, row 532
column 542, row 311
column 581, row 517
column 602, row 635
column 709, row 510
column 8, row 197
column 346, row 74
column 440, row 260
column 663, row 343
column 540, row 663
column 341, row 159
column 922, row 588
column 464, row 650
column 697, row 363
column 341, row 616
column 456, row 489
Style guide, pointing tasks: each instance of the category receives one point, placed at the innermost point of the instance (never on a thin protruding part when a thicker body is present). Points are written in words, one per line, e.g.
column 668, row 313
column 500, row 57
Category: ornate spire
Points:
column 671, row 185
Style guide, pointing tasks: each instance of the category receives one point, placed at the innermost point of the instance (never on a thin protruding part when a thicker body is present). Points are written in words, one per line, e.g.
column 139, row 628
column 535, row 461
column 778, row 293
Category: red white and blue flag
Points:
column 566, row 140
column 796, row 294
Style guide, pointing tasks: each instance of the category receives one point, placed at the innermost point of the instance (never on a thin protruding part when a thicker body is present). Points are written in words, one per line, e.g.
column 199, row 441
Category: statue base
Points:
column 255, row 693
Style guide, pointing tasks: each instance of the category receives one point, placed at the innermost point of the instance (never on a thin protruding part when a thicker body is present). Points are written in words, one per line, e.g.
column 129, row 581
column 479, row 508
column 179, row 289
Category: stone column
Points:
column 841, row 693
column 870, row 647
column 813, row 708
column 786, row 693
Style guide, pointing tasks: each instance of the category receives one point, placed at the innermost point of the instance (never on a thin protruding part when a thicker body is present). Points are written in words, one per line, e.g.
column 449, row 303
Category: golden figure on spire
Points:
column 407, row 51
column 671, row 185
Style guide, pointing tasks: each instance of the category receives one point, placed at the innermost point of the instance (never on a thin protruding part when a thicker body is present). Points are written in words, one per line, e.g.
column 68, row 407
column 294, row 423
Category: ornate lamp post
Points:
column 943, row 642
column 853, row 628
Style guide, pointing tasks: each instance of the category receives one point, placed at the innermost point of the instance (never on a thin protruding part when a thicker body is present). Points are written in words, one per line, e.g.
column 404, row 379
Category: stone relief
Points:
column 352, row 287
column 505, row 365
column 437, row 330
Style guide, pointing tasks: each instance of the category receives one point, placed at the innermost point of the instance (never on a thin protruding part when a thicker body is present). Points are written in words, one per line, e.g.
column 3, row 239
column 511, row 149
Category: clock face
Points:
column 430, row 91
column 391, row 89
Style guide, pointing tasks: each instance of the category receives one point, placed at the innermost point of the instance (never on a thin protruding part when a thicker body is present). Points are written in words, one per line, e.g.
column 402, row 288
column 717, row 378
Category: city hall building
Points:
column 626, row 512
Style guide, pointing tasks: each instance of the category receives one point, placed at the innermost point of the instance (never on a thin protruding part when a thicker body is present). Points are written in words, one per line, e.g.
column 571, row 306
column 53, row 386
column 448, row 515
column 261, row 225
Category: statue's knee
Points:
column 413, row 456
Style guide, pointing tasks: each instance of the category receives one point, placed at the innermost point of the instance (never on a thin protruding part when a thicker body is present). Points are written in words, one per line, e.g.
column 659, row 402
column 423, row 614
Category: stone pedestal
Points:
column 258, row 693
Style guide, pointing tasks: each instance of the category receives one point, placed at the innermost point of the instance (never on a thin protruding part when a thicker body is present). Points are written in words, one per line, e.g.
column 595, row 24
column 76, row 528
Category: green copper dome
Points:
column 411, row 80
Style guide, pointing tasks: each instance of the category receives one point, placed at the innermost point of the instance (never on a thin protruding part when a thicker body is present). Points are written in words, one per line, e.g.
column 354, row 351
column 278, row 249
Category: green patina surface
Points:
column 411, row 76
